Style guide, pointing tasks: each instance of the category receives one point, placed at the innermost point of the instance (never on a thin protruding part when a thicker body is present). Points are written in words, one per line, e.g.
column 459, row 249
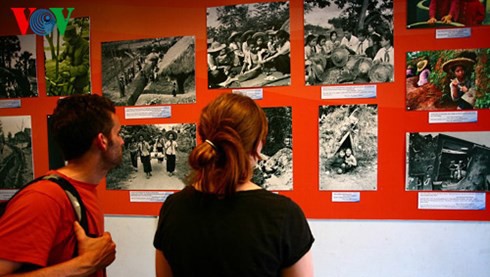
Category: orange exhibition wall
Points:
column 113, row 20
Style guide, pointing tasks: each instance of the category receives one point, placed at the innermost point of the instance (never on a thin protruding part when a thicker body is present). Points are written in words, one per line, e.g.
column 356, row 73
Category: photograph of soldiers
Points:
column 67, row 62
column 15, row 151
column 149, row 71
column 348, row 145
column 348, row 42
column 248, row 45
column 155, row 157
column 18, row 66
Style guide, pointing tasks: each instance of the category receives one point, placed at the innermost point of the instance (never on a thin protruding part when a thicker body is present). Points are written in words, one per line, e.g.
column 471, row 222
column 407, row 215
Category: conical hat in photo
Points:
column 167, row 134
column 452, row 63
column 381, row 72
column 339, row 56
column 234, row 34
column 422, row 65
column 216, row 46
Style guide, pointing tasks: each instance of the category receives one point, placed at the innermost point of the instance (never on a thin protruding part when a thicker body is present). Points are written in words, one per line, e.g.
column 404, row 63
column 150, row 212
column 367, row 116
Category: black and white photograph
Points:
column 348, row 142
column 155, row 157
column 149, row 71
column 275, row 170
column 15, row 151
column 448, row 161
column 248, row 45
column 348, row 42
column 18, row 66
column 67, row 59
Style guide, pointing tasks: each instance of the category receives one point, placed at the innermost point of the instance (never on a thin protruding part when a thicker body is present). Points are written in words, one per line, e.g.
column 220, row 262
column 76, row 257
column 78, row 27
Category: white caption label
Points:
column 149, row 196
column 453, row 33
column 451, row 201
column 346, row 196
column 256, row 93
column 344, row 92
column 148, row 112
column 453, row 117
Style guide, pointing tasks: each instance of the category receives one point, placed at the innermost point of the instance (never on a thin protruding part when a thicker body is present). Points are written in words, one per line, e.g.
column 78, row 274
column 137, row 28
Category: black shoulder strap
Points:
column 71, row 193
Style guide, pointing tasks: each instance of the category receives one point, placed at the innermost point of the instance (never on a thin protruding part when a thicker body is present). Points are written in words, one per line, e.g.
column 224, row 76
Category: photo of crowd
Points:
column 248, row 45
column 348, row 42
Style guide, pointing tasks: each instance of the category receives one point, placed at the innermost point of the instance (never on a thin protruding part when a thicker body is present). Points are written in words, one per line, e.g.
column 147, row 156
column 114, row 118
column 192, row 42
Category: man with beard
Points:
column 39, row 232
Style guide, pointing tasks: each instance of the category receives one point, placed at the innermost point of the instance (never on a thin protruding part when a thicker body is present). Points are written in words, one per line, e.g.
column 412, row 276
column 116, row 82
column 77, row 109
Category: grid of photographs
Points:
column 248, row 46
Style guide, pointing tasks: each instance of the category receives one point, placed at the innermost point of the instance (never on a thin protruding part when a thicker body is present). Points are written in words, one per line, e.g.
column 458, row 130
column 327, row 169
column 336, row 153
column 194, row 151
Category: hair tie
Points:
column 212, row 144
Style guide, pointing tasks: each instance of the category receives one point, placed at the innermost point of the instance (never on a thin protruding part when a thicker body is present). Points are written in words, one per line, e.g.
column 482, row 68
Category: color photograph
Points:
column 149, row 71
column 449, row 161
column 447, row 13
column 67, row 59
column 248, row 45
column 348, row 141
column 448, row 80
column 348, row 42
column 275, row 170
column 18, row 66
column 155, row 157
column 15, row 151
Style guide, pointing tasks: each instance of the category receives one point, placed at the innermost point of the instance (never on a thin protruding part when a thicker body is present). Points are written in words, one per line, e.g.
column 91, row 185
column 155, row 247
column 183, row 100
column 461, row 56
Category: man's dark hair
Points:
column 78, row 119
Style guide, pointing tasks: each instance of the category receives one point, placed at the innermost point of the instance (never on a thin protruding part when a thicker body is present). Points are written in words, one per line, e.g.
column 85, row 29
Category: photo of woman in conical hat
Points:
column 448, row 80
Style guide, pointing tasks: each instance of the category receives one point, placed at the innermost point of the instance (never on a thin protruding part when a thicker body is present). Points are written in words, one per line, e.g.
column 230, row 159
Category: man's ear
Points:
column 101, row 141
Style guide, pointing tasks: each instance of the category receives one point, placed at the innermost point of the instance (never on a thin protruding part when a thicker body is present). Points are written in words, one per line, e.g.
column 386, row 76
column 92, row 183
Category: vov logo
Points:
column 42, row 21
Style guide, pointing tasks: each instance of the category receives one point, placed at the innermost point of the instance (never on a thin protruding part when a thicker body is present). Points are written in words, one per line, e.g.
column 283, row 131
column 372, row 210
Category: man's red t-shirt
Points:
column 37, row 227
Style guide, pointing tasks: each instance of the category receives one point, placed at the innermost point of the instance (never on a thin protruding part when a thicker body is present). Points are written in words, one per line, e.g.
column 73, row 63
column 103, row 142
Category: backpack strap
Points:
column 71, row 193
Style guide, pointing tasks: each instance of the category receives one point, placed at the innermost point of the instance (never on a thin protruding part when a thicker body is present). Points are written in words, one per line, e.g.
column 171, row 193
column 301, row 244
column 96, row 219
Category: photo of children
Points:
column 348, row 147
column 455, row 161
column 447, row 13
column 359, row 48
column 248, row 45
column 448, row 80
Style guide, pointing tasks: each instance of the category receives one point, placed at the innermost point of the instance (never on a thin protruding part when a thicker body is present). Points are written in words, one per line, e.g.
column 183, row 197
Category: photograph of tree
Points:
column 447, row 13
column 18, row 66
column 67, row 59
column 15, row 151
column 348, row 41
column 248, row 45
column 448, row 79
column 155, row 157
column 348, row 141
column 454, row 161
column 149, row 71
column 275, row 170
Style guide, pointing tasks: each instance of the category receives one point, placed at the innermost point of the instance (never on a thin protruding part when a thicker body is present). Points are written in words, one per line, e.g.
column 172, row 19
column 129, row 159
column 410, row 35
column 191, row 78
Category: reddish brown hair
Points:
column 234, row 125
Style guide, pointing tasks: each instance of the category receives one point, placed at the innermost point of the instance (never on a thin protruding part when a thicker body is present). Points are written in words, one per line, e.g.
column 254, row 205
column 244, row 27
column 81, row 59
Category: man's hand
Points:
column 432, row 20
column 97, row 253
